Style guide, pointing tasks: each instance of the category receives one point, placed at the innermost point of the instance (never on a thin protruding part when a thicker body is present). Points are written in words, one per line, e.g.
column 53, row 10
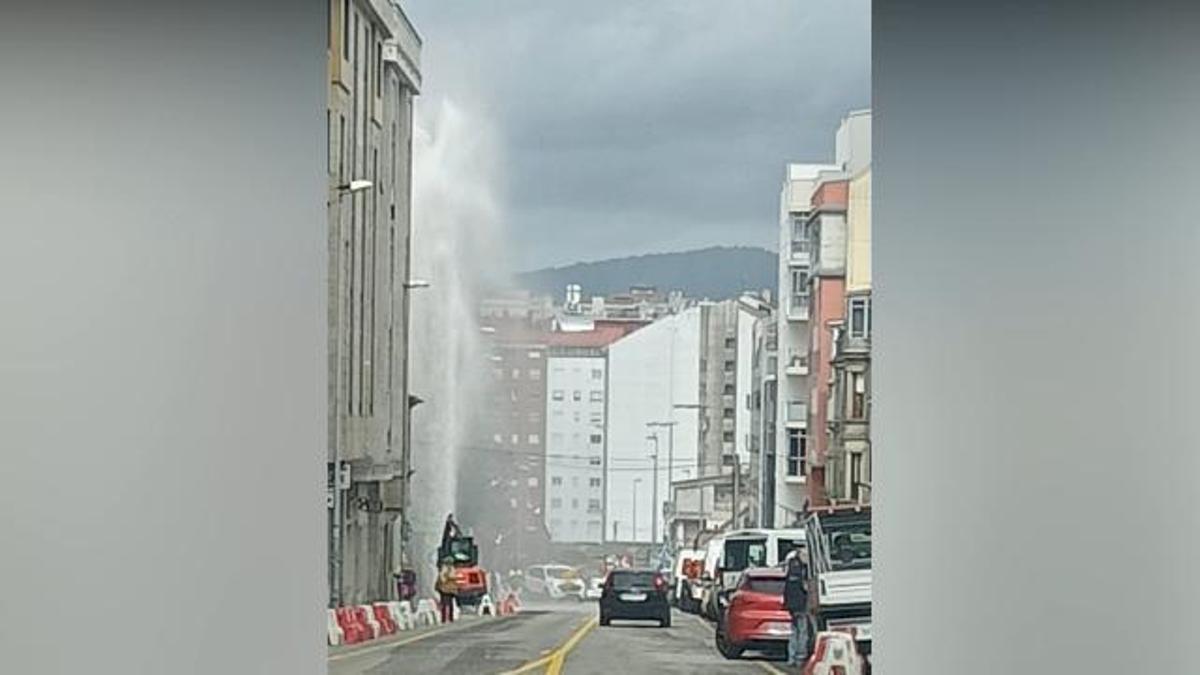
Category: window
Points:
column 597, row 374
column 597, row 396
column 730, row 343
column 577, row 395
column 346, row 29
column 856, row 477
column 516, row 439
column 498, row 439
column 594, row 482
column 535, row 374
column 729, row 390
column 728, row 413
column 797, row 452
column 593, row 505
column 557, row 395
column 575, row 416
column 858, row 396
column 534, row 439
column 535, row 355
column 516, row 374
column 556, row 503
column 730, row 366
column 594, row 461
column 532, row 482
column 727, row 436
column 596, row 439
column 596, row 418
column 860, row 317
column 556, row 481
column 512, row 395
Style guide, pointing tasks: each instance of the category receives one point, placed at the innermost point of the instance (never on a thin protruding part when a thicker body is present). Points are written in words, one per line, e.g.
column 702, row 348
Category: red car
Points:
column 755, row 619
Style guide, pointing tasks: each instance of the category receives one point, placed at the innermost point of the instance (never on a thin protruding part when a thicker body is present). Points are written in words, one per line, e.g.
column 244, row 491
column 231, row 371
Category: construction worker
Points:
column 447, row 586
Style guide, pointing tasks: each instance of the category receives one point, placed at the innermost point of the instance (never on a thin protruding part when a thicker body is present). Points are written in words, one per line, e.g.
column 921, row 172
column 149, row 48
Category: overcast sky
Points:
column 638, row 126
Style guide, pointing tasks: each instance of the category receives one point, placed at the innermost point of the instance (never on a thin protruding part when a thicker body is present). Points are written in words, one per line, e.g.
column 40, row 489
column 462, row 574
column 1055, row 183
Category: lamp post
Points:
column 411, row 401
column 636, row 482
column 654, row 492
column 337, row 524
column 670, row 426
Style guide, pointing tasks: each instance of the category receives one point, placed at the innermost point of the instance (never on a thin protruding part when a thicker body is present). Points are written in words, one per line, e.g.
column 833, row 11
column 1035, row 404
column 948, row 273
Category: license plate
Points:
column 633, row 597
column 779, row 628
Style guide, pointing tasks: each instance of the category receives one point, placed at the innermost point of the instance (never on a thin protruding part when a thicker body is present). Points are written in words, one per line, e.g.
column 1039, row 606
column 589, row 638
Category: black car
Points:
column 635, row 594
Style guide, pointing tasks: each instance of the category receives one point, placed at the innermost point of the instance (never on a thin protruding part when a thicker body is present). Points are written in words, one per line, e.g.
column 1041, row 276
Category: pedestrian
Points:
column 447, row 586
column 795, row 599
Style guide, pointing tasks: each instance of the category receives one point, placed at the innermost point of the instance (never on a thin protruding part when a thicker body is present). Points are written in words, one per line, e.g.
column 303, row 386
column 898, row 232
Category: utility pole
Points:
column 635, row 484
column 654, row 492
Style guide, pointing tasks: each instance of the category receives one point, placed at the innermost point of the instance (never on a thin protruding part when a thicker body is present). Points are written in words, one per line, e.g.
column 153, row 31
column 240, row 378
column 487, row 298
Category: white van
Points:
column 746, row 549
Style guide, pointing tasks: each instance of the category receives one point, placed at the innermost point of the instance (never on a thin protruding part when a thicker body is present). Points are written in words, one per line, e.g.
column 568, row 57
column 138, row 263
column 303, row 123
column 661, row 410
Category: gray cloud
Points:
column 631, row 126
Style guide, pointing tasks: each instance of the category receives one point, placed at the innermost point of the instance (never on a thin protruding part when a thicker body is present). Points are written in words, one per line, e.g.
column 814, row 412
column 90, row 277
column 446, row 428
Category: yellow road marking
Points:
column 554, row 659
column 560, row 657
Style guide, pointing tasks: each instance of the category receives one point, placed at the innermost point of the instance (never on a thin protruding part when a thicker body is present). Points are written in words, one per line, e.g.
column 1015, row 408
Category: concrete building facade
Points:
column 373, row 74
column 849, row 462
column 650, row 371
column 794, row 340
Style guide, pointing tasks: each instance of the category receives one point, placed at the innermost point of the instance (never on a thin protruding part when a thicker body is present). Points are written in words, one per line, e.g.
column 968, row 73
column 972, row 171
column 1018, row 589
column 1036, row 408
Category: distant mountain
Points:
column 714, row 273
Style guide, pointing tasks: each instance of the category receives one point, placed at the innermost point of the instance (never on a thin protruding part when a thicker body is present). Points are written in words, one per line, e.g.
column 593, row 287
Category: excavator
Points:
column 462, row 553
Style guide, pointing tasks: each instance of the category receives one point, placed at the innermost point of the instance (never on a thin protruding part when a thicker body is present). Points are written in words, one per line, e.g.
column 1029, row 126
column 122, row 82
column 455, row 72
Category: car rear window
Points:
column 631, row 579
column 769, row 586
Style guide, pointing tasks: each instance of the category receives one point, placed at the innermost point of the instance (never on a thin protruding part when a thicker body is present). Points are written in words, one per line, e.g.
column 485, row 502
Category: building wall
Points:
column 370, row 130
column 650, row 370
column 828, row 299
column 795, row 201
column 576, row 429
column 502, row 487
column 858, row 235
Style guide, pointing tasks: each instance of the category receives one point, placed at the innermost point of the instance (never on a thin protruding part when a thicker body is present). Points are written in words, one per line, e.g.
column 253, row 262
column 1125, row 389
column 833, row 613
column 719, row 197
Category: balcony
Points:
column 797, row 365
column 796, row 414
column 798, row 307
column 801, row 253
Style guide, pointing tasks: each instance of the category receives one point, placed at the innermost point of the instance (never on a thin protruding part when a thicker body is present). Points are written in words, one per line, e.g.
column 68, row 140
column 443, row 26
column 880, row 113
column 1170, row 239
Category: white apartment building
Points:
column 852, row 146
column 650, row 372
column 794, row 335
column 576, row 395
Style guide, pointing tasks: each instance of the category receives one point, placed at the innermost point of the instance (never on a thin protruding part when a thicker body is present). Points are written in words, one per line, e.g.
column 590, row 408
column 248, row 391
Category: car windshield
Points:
column 560, row 573
column 743, row 553
column 632, row 579
column 849, row 546
column 462, row 550
column 766, row 585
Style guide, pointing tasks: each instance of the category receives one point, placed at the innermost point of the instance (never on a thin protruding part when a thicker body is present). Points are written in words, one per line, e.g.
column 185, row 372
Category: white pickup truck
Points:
column 839, row 554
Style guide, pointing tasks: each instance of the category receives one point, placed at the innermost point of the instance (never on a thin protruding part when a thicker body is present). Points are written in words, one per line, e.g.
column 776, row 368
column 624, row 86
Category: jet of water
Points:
column 456, row 247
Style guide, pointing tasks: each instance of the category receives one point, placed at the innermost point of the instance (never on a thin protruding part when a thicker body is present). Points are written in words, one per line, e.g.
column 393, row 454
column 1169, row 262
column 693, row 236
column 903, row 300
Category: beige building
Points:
column 849, row 466
column 373, row 75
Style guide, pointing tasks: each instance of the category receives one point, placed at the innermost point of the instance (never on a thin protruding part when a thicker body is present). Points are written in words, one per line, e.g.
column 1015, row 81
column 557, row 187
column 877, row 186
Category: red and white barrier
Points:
column 336, row 635
column 835, row 652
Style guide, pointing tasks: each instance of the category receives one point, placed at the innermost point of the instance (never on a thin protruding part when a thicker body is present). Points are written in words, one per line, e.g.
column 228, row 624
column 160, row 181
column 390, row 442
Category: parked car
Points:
column 635, row 594
column 594, row 589
column 756, row 618
column 556, row 582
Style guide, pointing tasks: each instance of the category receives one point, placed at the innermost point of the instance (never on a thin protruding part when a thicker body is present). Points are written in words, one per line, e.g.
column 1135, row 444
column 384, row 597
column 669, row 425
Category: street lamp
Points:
column 412, row 401
column 636, row 482
column 354, row 186
column 654, row 492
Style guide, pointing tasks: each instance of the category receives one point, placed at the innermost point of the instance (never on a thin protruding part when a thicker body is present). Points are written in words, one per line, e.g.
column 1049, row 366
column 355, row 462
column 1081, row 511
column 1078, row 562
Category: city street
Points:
column 529, row 642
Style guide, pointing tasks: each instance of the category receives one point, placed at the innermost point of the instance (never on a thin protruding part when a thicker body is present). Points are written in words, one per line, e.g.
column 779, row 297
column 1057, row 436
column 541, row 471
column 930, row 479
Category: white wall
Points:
column 571, row 456
column 745, row 382
column 650, row 370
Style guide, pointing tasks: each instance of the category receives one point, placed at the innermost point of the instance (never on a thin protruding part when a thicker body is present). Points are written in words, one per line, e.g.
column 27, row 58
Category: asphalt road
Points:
column 549, row 638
